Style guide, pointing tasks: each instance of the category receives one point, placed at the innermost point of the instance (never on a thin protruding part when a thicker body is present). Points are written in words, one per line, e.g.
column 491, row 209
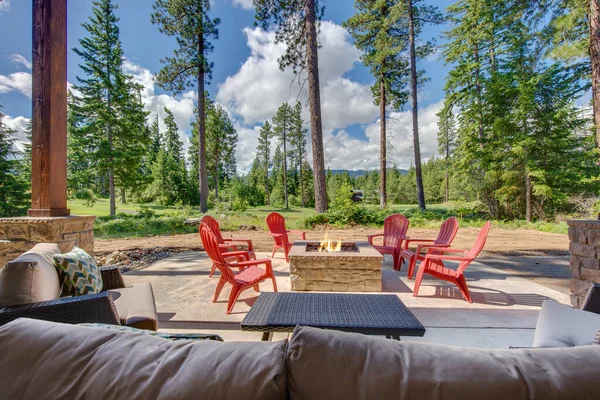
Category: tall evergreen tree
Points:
column 418, row 15
column 264, row 156
column 446, row 141
column 14, row 199
column 173, row 143
column 107, row 116
column 190, row 23
column 296, row 25
column 283, row 122
column 221, row 140
column 380, row 31
column 298, row 142
column 156, row 141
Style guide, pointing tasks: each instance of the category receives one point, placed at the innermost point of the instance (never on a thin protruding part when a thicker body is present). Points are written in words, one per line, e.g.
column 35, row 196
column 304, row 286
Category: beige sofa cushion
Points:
column 559, row 325
column 31, row 277
column 136, row 306
column 75, row 362
column 336, row 365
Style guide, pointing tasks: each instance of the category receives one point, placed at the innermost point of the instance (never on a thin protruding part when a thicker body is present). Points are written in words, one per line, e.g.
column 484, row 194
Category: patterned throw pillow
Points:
column 79, row 272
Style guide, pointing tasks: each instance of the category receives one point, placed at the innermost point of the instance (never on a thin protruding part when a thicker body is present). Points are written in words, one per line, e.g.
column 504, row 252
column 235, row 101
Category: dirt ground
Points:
column 539, row 256
column 520, row 242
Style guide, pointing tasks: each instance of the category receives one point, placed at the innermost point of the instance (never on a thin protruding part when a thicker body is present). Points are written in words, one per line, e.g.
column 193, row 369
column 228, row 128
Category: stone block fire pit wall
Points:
column 584, row 247
column 343, row 271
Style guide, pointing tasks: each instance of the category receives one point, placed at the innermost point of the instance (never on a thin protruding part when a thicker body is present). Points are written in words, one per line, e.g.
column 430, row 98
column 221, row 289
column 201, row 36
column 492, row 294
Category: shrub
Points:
column 87, row 195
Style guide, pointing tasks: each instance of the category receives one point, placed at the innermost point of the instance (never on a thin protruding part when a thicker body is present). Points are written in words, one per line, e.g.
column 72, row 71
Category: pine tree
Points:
column 107, row 118
column 156, row 142
column 264, row 156
column 298, row 142
column 446, row 141
column 282, row 129
column 277, row 178
column 173, row 144
column 14, row 199
column 380, row 31
column 25, row 169
column 189, row 22
column 296, row 26
column 418, row 16
column 221, row 140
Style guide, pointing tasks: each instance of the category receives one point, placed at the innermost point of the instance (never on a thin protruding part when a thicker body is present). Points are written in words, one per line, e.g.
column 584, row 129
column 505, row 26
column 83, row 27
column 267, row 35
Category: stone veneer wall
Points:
column 17, row 235
column 340, row 275
column 584, row 246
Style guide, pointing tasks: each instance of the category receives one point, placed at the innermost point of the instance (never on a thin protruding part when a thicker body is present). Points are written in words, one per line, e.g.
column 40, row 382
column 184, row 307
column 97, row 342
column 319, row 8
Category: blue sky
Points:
column 246, row 80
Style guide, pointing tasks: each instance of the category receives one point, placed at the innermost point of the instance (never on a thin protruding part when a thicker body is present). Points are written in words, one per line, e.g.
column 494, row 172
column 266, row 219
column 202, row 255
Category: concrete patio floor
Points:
column 503, row 313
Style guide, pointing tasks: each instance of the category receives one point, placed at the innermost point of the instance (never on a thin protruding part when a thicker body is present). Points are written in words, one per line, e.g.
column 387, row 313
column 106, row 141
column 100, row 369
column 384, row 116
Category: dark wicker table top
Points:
column 371, row 314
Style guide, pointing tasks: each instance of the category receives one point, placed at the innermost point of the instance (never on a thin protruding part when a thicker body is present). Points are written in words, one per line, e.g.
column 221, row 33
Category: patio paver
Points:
column 504, row 309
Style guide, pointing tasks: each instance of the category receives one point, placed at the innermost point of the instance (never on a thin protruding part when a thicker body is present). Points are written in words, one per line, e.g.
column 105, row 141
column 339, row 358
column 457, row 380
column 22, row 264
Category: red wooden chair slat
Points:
column 394, row 232
column 444, row 239
column 227, row 245
column 433, row 264
column 276, row 224
column 249, row 277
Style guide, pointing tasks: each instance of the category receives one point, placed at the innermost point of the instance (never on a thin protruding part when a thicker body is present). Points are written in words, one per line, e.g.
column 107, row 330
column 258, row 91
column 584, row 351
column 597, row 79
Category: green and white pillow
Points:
column 79, row 273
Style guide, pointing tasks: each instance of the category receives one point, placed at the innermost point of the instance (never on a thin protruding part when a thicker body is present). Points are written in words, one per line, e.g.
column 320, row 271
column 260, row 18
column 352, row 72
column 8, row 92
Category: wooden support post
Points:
column 49, row 125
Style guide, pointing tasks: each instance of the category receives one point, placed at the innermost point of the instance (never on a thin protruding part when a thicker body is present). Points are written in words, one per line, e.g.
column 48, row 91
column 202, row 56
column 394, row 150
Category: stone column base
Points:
column 584, row 237
column 17, row 235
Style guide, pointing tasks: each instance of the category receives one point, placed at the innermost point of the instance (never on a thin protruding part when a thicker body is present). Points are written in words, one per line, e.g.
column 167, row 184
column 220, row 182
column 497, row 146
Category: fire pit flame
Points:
column 329, row 246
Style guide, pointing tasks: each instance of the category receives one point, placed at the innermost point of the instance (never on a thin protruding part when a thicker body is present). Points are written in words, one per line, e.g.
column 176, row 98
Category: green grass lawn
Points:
column 172, row 219
column 102, row 208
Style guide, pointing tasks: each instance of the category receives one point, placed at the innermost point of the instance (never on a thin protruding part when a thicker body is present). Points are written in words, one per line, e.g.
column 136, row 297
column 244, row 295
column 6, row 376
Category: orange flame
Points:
column 330, row 245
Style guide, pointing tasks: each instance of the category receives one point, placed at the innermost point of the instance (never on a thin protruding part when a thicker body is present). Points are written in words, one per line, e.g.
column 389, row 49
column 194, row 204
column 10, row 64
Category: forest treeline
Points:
column 512, row 131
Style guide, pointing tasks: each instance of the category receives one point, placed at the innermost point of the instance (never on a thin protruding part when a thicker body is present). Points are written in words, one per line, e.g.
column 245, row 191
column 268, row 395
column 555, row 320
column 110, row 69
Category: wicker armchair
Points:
column 93, row 308
column 592, row 300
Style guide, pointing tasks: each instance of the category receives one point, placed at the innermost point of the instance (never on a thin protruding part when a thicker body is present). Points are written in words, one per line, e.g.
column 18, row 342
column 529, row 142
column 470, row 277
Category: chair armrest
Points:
column 227, row 246
column 111, row 278
column 247, row 241
column 444, row 258
column 301, row 233
column 92, row 308
column 408, row 241
column 448, row 250
column 370, row 238
column 238, row 253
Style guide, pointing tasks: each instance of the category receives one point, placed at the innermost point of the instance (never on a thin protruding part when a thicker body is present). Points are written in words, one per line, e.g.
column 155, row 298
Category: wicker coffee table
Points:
column 370, row 314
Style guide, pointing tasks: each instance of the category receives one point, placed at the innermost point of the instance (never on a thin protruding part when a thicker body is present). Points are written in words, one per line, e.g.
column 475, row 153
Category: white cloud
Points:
column 4, row 5
column 245, row 4
column 19, row 81
column 181, row 107
column 19, row 59
column 260, row 87
column 19, row 125
column 253, row 94
column 345, row 152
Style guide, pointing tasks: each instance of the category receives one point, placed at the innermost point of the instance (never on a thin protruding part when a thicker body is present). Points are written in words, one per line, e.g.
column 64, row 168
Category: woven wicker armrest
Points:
column 70, row 310
column 112, row 278
column 592, row 300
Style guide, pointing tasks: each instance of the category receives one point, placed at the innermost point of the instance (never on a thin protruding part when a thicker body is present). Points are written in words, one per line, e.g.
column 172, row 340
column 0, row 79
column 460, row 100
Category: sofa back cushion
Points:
column 336, row 365
column 559, row 325
column 76, row 362
column 31, row 277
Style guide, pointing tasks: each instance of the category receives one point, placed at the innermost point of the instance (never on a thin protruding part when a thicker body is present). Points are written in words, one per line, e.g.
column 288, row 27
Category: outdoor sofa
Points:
column 30, row 288
column 76, row 362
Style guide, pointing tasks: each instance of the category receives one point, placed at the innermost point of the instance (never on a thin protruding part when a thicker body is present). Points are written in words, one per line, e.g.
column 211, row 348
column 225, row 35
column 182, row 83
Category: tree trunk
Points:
column 302, row 180
column 111, row 190
column 111, row 172
column 447, row 169
column 202, row 175
column 478, row 93
column 285, row 186
column 216, row 177
column 594, row 22
column 315, row 108
column 415, row 111
column 382, row 147
column 527, row 195
column 123, row 198
column 267, row 183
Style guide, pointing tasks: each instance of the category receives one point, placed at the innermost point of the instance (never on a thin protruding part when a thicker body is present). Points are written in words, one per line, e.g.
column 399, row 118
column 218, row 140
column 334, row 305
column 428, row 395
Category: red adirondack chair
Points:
column 394, row 232
column 276, row 224
column 433, row 264
column 250, row 276
column 444, row 239
column 227, row 245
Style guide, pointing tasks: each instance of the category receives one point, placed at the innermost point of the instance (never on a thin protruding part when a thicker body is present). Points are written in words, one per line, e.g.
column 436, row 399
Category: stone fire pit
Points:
column 356, row 268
